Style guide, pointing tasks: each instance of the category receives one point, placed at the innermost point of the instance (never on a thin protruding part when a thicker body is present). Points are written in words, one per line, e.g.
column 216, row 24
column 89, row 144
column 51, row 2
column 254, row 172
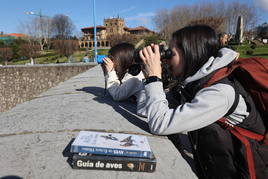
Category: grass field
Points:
column 50, row 56
column 261, row 51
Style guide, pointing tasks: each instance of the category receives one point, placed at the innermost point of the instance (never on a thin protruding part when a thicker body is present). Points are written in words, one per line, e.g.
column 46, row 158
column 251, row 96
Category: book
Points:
column 102, row 162
column 114, row 144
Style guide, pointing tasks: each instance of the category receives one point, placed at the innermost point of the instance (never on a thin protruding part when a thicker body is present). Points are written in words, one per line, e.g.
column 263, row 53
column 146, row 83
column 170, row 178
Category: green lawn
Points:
column 261, row 51
column 50, row 56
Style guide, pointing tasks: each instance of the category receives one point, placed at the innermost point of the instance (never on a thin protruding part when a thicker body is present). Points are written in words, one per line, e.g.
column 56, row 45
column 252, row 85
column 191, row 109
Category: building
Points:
column 111, row 26
column 10, row 37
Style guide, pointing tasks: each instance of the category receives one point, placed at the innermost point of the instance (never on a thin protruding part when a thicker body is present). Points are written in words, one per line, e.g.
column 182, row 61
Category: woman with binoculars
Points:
column 120, row 84
column 196, row 57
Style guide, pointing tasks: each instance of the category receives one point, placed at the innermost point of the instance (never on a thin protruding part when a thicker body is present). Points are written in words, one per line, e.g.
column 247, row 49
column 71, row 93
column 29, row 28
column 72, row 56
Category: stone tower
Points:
column 114, row 25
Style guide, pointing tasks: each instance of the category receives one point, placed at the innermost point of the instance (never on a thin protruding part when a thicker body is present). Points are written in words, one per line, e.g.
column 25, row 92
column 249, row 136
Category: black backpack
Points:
column 218, row 152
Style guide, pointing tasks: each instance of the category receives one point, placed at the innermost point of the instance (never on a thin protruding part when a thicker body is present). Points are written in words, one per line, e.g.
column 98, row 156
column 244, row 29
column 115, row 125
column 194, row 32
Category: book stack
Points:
column 112, row 151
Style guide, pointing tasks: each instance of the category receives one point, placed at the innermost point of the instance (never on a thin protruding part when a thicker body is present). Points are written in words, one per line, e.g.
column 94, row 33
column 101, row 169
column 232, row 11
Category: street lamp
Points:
column 39, row 14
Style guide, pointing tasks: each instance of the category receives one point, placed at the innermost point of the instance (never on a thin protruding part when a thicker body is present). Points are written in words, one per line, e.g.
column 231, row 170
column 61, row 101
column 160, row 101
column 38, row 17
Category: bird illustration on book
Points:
column 109, row 137
column 130, row 166
column 128, row 142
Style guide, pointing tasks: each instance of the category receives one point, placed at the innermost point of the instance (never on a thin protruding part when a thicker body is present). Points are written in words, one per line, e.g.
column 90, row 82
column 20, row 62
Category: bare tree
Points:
column 65, row 47
column 30, row 51
column 162, row 22
column 237, row 9
column 224, row 16
column 47, row 27
column 6, row 54
column 63, row 26
column 38, row 29
column 217, row 23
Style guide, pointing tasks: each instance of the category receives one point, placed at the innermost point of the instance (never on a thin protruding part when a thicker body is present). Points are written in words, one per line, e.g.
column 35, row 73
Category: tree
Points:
column 38, row 29
column 6, row 54
column 121, row 38
column 15, row 46
column 236, row 9
column 217, row 23
column 224, row 17
column 65, row 47
column 63, row 26
column 155, row 38
column 30, row 51
column 262, row 31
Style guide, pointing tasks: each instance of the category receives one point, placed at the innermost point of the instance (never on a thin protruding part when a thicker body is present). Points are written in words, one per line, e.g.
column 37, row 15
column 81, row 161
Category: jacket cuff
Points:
column 112, row 75
column 154, row 89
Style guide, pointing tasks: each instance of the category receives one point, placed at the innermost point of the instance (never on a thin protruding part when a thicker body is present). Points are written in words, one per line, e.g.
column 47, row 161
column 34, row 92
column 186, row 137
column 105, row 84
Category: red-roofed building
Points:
column 111, row 26
column 17, row 35
column 11, row 37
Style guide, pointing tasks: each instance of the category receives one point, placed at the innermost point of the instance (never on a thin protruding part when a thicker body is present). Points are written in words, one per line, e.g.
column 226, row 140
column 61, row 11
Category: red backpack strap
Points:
column 222, row 73
column 249, row 154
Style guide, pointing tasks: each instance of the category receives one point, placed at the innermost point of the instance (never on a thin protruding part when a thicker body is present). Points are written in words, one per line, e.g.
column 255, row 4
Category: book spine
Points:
column 112, row 152
column 114, row 164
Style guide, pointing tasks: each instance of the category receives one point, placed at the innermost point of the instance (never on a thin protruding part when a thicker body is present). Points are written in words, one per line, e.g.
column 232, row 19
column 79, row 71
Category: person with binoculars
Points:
column 122, row 85
column 196, row 55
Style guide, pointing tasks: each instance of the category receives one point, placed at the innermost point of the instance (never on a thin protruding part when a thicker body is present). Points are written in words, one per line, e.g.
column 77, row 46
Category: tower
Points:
column 114, row 25
column 239, row 30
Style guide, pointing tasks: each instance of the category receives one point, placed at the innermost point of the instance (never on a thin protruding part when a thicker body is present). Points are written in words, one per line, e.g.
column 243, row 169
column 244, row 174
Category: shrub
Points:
column 252, row 46
column 249, row 52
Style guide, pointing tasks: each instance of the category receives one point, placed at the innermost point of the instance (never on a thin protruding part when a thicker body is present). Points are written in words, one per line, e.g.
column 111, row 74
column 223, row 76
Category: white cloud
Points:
column 127, row 10
column 263, row 4
column 142, row 18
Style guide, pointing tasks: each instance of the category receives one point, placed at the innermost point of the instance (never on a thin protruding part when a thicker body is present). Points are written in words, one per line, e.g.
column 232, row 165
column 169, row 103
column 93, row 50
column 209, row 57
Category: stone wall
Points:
column 21, row 83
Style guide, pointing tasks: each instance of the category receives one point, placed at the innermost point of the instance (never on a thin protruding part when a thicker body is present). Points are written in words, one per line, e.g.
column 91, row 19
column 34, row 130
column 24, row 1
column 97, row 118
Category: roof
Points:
column 17, row 35
column 92, row 27
column 139, row 28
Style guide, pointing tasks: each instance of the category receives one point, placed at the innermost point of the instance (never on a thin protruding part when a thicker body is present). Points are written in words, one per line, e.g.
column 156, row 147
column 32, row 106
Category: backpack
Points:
column 252, row 74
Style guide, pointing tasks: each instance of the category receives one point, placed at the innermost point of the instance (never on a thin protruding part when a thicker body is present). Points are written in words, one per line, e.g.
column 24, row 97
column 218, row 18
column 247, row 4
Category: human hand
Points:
column 151, row 57
column 108, row 64
column 237, row 56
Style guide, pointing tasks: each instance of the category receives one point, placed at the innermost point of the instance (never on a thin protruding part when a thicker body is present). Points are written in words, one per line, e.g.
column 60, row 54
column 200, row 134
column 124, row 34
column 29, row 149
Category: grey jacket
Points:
column 208, row 105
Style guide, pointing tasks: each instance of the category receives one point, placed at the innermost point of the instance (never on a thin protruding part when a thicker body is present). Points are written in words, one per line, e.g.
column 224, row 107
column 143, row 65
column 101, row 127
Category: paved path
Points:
column 34, row 136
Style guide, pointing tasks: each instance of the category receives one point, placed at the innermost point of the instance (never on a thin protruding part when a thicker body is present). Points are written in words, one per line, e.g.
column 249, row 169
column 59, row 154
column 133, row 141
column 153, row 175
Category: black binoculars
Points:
column 136, row 68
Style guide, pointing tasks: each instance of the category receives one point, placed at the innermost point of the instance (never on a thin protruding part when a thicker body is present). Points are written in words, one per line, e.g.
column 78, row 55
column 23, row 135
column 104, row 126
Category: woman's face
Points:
column 176, row 62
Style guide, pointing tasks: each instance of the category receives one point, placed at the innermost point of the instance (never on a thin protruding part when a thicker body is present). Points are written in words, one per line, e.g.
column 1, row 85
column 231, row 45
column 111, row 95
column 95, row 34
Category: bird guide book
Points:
column 113, row 144
column 104, row 162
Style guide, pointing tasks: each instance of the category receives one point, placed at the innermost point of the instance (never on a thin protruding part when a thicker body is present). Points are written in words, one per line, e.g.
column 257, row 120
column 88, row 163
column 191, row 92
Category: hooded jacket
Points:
column 208, row 105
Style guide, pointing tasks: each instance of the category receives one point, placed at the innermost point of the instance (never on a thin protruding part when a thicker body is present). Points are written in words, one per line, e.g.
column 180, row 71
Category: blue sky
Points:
column 135, row 12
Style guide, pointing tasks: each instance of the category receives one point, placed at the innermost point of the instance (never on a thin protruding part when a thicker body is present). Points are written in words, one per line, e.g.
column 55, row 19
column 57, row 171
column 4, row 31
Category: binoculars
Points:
column 136, row 67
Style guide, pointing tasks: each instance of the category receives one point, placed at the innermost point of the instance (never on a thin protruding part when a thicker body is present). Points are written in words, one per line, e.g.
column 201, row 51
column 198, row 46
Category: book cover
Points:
column 115, row 144
column 102, row 162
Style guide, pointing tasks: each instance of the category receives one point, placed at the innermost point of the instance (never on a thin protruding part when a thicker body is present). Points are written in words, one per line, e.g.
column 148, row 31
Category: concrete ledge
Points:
column 19, row 83
column 34, row 135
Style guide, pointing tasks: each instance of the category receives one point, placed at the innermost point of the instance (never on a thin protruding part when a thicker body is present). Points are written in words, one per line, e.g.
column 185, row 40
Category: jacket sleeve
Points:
column 129, row 86
column 208, row 105
column 141, row 103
